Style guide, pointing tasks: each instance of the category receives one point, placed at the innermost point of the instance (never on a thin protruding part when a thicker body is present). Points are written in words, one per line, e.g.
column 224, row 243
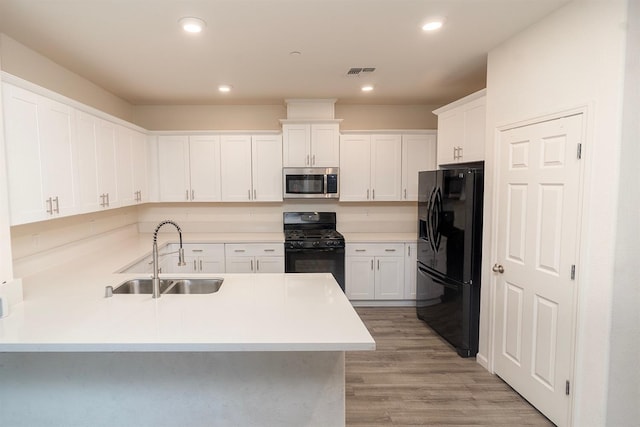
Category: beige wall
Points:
column 572, row 59
column 29, row 65
column 267, row 117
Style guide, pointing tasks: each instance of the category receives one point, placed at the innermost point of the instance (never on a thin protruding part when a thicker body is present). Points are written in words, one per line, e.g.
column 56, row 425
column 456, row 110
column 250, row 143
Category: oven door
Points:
column 321, row 260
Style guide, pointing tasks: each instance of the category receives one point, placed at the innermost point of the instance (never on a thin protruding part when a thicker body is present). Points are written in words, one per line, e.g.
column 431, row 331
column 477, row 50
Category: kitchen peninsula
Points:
column 266, row 349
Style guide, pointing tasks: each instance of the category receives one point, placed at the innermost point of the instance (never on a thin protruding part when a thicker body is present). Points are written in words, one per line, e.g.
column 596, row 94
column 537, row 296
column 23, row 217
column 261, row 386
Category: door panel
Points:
column 539, row 176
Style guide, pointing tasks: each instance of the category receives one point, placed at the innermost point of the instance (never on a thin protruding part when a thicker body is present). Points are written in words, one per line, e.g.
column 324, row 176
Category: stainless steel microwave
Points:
column 311, row 183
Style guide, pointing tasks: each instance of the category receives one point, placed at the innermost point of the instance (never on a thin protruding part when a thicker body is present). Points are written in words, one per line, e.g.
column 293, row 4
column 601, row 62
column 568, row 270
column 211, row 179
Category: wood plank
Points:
column 416, row 378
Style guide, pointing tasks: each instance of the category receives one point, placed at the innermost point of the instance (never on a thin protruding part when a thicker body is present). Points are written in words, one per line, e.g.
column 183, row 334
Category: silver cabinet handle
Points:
column 378, row 264
column 497, row 268
column 373, row 194
column 238, row 250
column 405, row 193
column 200, row 265
column 57, row 208
column 269, row 250
column 409, row 250
column 306, row 162
column 249, row 193
column 459, row 152
column 197, row 250
column 257, row 265
column 193, row 194
column 313, row 160
column 255, row 196
column 367, row 194
column 107, row 199
column 186, row 194
column 251, row 265
column 361, row 250
column 371, row 264
column 194, row 266
column 389, row 250
column 49, row 206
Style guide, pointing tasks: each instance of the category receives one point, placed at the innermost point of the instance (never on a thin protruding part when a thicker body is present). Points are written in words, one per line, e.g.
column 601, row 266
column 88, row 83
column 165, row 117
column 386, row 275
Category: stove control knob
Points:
column 301, row 243
column 316, row 243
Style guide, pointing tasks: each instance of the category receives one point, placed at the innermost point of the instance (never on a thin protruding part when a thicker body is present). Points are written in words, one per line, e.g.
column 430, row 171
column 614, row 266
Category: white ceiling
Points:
column 136, row 50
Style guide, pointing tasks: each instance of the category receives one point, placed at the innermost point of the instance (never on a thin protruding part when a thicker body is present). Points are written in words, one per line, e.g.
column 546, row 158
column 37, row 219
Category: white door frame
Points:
column 489, row 260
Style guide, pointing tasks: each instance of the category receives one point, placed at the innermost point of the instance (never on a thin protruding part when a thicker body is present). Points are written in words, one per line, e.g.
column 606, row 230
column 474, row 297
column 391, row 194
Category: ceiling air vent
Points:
column 355, row 71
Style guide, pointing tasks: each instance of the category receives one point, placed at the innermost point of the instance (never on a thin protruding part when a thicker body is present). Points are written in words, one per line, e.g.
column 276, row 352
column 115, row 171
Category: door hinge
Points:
column 567, row 387
column 573, row 272
column 579, row 153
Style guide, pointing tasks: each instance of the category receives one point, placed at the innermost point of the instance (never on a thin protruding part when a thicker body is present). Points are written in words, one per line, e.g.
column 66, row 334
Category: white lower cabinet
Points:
column 410, row 268
column 199, row 258
column 375, row 271
column 254, row 258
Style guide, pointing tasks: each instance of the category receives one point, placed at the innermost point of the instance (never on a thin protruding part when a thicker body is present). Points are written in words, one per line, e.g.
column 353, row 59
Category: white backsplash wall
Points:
column 41, row 244
column 398, row 217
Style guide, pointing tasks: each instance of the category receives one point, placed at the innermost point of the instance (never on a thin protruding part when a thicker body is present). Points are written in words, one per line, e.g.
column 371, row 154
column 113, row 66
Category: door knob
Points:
column 497, row 268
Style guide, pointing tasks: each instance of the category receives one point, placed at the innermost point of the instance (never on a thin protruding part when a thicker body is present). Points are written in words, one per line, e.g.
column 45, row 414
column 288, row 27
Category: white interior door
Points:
column 538, row 212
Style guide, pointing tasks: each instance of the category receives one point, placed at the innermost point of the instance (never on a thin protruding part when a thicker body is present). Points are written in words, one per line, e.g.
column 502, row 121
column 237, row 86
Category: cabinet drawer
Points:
column 375, row 249
column 197, row 249
column 254, row 249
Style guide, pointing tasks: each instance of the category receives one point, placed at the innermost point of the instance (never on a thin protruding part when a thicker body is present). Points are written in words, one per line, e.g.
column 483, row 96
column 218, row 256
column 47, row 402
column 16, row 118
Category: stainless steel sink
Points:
column 169, row 286
column 194, row 286
column 139, row 286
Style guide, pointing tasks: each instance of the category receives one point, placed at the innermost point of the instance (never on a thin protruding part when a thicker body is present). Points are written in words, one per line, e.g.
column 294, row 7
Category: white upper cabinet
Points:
column 106, row 164
column 461, row 130
column 251, row 168
column 370, row 167
column 39, row 142
column 204, row 162
column 124, row 163
column 139, row 155
column 311, row 145
column 189, row 168
column 418, row 154
column 87, row 188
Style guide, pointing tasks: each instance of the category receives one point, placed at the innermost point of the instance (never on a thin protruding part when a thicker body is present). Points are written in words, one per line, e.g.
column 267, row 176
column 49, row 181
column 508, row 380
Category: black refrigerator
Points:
column 450, row 254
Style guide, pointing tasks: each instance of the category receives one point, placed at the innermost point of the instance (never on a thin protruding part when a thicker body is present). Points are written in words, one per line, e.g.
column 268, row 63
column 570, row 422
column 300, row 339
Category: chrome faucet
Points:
column 156, row 280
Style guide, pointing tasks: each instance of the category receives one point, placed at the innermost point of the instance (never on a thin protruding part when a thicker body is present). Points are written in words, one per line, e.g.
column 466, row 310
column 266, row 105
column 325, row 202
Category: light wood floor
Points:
column 415, row 378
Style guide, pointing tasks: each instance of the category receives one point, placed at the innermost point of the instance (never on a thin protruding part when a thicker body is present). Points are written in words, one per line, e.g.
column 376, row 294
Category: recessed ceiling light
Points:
column 191, row 24
column 367, row 88
column 433, row 25
column 224, row 88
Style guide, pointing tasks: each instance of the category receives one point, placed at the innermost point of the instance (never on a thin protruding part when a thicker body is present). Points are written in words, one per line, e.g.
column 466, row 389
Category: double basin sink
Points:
column 170, row 286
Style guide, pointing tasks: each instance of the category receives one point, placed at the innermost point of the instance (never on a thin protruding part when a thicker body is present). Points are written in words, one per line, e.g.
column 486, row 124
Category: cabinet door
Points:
column 211, row 265
column 106, row 164
column 235, row 168
column 389, row 277
column 410, row 268
column 139, row 154
column 386, row 167
column 24, row 171
column 359, row 281
column 57, row 138
column 173, row 168
column 296, row 139
column 266, row 160
column 204, row 162
column 124, row 162
column 418, row 154
column 450, row 135
column 355, row 167
column 270, row 264
column 240, row 264
column 325, row 145
column 87, row 185
column 474, row 131
column 171, row 264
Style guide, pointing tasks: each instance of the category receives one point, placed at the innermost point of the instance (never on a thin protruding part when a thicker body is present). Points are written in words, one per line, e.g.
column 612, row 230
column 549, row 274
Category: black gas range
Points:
column 313, row 245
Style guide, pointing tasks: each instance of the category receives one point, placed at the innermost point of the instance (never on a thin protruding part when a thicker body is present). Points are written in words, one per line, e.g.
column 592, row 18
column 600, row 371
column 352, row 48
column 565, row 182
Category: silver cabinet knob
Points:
column 497, row 268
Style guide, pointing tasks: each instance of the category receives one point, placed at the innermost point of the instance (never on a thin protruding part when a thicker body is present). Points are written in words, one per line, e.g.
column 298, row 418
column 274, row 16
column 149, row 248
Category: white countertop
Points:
column 64, row 309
